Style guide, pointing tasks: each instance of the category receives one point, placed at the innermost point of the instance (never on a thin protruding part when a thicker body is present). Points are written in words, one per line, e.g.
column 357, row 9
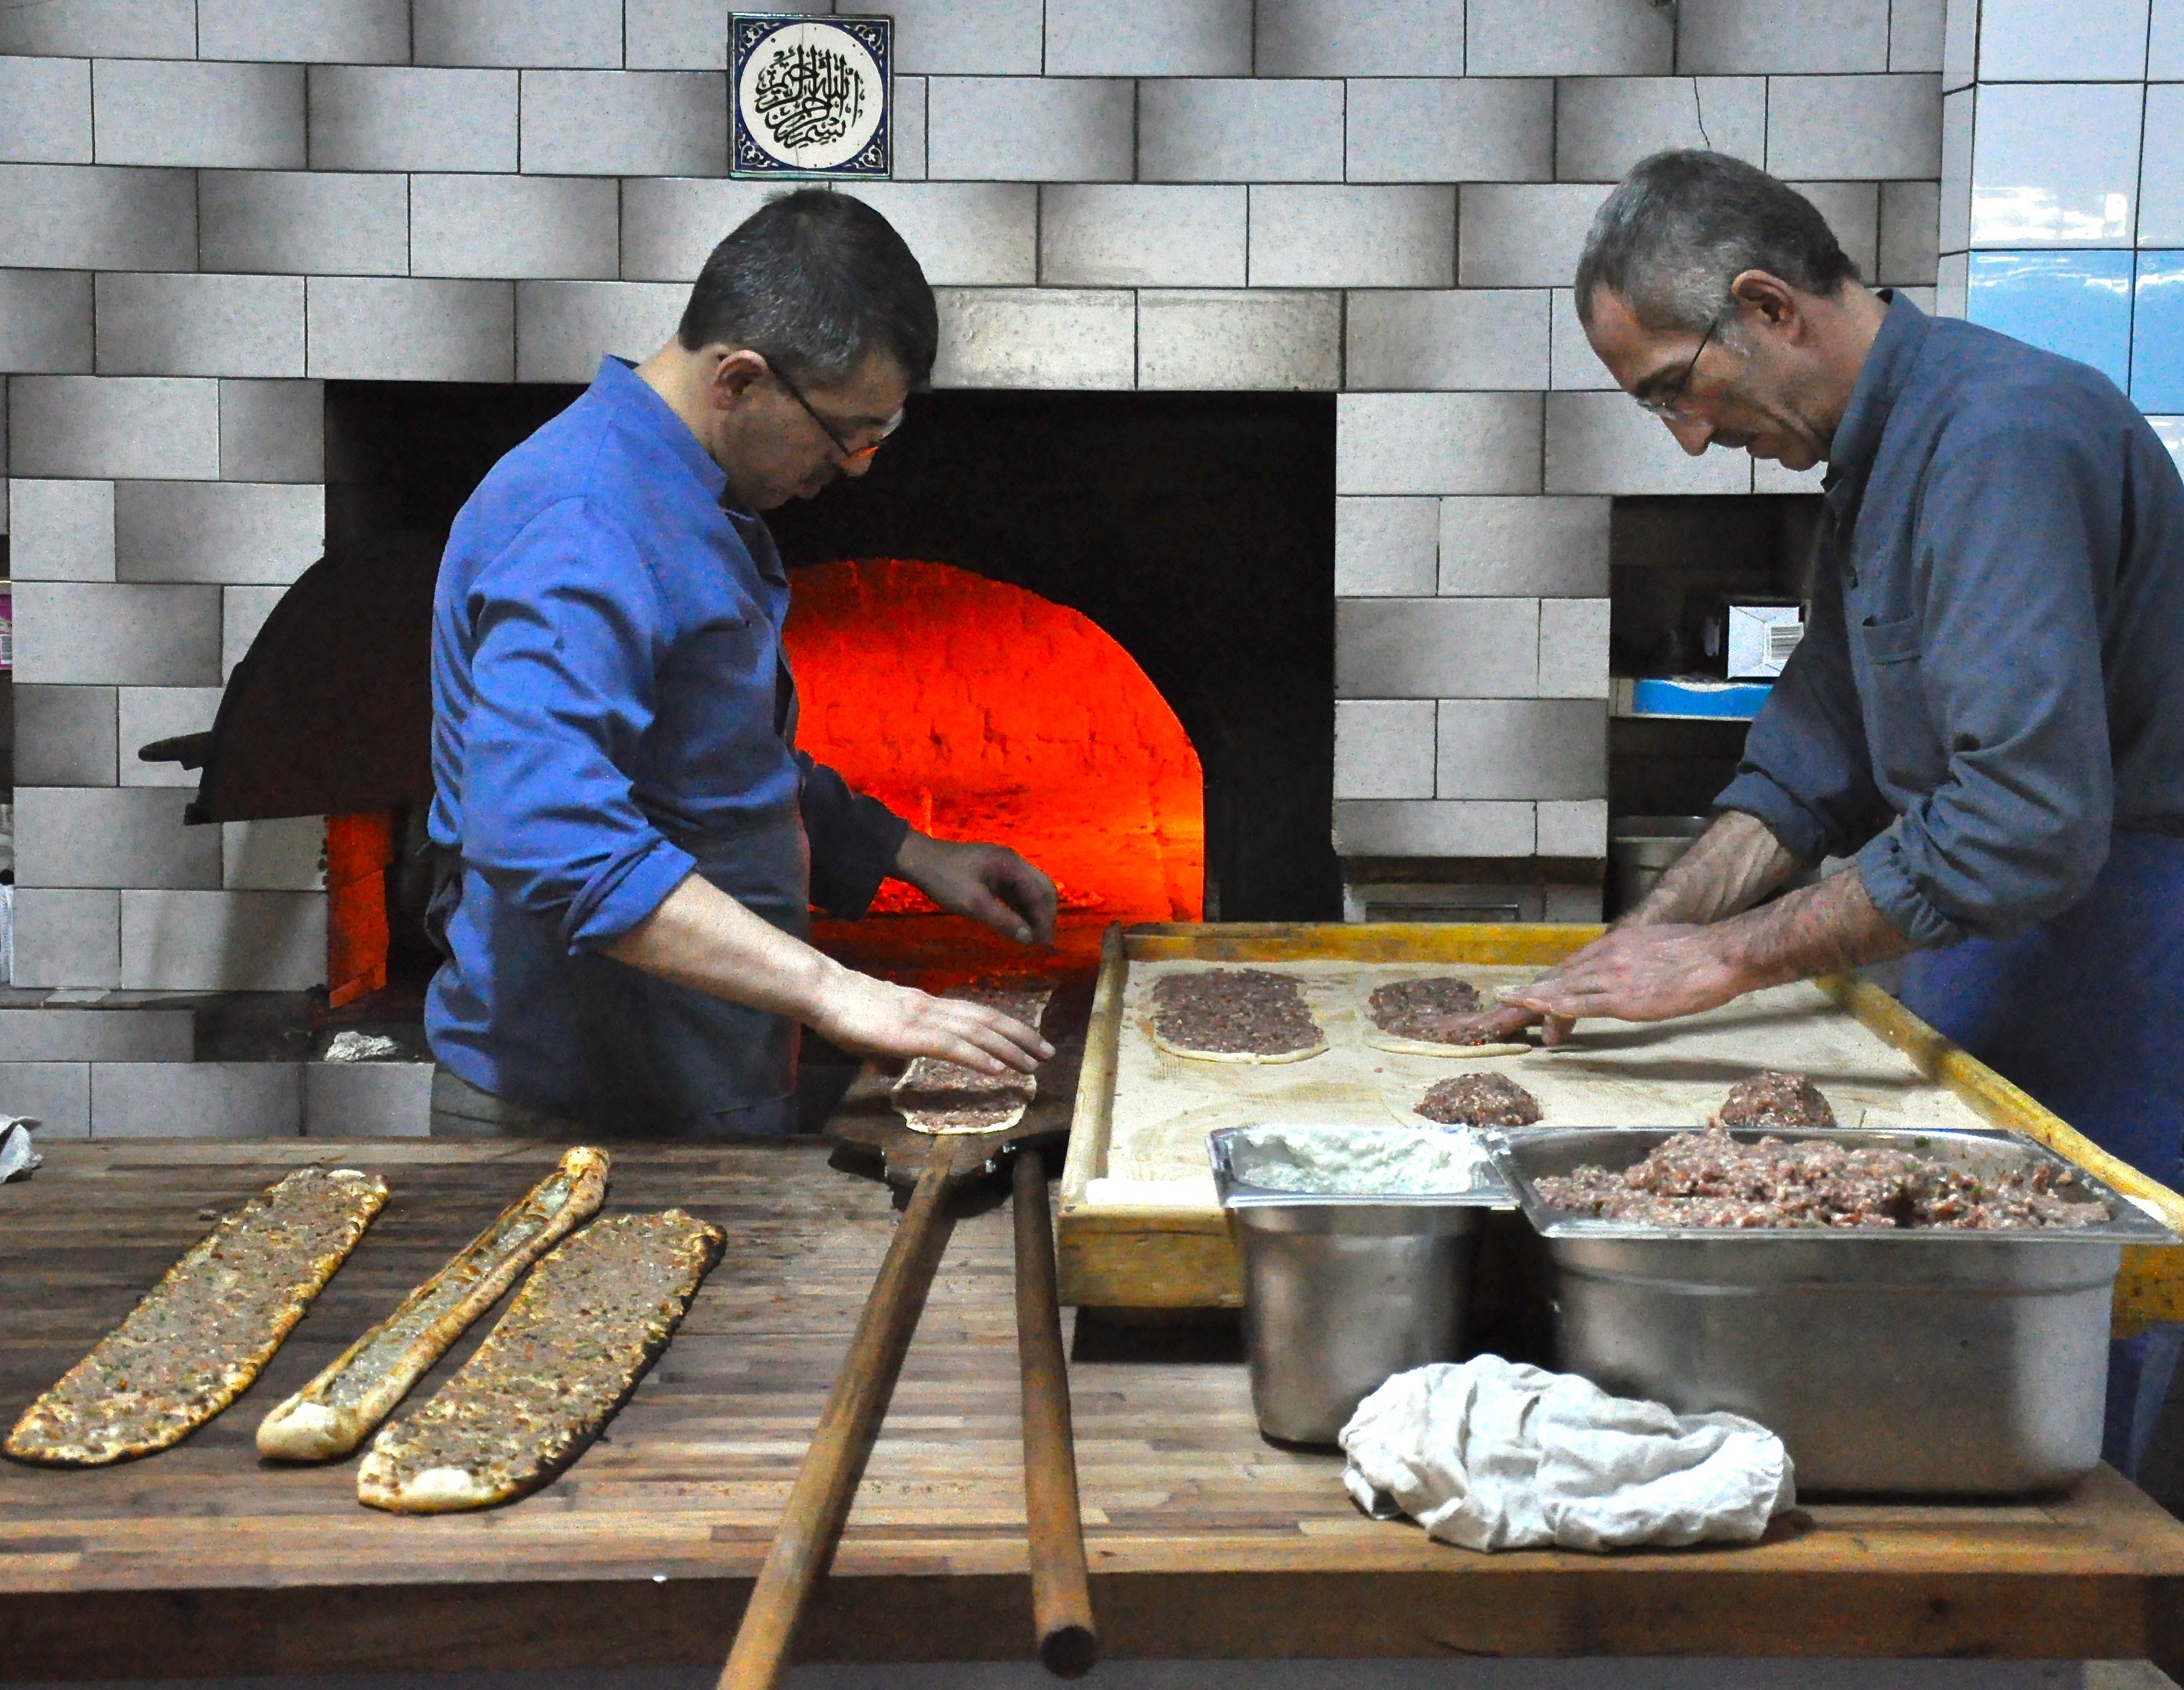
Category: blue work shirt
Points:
column 1993, row 677
column 607, row 678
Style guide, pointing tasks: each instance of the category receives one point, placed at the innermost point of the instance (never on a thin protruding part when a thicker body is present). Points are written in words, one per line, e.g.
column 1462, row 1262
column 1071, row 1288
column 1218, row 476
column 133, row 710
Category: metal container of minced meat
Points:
column 1342, row 1290
column 1896, row 1361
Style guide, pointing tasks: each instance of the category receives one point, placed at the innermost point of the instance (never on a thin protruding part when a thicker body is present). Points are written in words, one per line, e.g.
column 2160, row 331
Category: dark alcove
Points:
column 1196, row 529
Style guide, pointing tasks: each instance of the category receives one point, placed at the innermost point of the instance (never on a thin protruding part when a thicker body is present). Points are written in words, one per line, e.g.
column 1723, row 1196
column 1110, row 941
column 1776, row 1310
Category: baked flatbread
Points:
column 939, row 1097
column 1233, row 1014
column 198, row 1340
column 591, row 1319
column 345, row 1403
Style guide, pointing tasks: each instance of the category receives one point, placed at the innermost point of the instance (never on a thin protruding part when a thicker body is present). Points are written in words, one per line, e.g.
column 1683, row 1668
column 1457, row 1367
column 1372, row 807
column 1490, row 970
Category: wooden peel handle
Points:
column 849, row 1425
column 1060, row 1592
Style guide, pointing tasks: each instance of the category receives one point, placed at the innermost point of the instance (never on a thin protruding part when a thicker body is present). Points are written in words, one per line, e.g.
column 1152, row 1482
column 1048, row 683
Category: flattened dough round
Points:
column 1419, row 1046
column 918, row 1122
column 1190, row 1055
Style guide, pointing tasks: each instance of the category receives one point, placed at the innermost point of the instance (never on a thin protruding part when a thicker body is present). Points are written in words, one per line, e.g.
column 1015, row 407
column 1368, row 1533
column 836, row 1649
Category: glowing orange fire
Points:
column 983, row 711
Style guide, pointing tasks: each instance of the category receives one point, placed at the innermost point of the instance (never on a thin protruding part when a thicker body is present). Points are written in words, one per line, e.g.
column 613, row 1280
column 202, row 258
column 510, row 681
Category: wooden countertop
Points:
column 1204, row 1540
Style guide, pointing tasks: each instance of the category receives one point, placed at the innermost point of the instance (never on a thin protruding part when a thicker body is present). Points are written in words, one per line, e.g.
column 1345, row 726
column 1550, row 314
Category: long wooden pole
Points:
column 848, row 1427
column 1060, row 1592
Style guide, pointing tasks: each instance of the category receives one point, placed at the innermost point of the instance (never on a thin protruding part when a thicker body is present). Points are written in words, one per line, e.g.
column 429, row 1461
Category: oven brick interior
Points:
column 208, row 208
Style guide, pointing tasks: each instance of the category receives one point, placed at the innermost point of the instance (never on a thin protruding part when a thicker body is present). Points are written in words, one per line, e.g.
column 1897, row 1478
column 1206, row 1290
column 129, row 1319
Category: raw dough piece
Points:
column 938, row 1097
column 340, row 1409
column 1404, row 1003
column 587, row 1323
column 198, row 1340
column 1234, row 1015
column 1479, row 1100
column 1776, row 1099
column 1362, row 1161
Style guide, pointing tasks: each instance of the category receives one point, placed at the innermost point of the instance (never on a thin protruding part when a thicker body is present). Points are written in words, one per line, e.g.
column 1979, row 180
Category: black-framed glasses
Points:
column 1669, row 406
column 862, row 454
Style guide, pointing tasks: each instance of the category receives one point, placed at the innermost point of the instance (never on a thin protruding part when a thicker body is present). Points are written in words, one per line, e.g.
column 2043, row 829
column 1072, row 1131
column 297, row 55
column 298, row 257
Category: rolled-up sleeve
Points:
column 1806, row 771
column 2017, row 828
column 855, row 840
column 568, row 630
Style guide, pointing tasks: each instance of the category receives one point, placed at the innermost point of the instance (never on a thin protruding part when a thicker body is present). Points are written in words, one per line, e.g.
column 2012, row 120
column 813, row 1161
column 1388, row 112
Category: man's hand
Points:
column 1653, row 972
column 989, row 883
column 1637, row 973
column 858, row 1013
column 702, row 938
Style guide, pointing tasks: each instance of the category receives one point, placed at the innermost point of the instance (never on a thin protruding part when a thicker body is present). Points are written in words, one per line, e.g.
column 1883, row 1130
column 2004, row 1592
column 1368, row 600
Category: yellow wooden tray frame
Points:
column 1121, row 1256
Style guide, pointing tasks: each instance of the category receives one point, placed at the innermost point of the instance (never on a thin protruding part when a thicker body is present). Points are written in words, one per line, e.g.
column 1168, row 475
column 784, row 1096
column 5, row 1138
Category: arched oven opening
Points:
column 981, row 711
column 1095, row 626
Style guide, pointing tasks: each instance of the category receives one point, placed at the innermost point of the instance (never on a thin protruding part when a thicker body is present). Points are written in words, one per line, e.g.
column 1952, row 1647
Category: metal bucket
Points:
column 1640, row 848
column 1342, row 1292
column 1903, row 1361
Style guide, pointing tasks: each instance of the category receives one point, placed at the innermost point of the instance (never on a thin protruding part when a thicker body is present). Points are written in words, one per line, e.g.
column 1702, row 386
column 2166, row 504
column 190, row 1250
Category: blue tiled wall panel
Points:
column 2157, row 333
column 2171, row 431
column 2076, row 303
column 2056, row 41
column 2056, row 164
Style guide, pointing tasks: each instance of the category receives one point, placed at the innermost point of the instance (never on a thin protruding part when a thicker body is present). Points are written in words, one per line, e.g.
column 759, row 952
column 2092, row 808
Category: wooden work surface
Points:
column 1204, row 1540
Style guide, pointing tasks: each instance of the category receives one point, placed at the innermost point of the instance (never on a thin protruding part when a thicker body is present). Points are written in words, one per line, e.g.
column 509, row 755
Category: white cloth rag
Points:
column 1493, row 1454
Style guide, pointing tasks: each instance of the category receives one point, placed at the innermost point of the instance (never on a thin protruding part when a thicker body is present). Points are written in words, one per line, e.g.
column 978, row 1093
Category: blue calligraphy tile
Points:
column 2075, row 303
column 809, row 96
column 2157, row 335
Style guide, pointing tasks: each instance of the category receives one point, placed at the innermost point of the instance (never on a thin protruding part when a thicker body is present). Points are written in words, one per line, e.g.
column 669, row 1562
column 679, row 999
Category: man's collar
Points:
column 620, row 384
column 1881, row 378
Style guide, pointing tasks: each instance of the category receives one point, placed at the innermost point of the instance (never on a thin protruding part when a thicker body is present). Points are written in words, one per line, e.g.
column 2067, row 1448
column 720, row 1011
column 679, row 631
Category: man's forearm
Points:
column 1826, row 929
column 1656, row 972
column 701, row 937
column 1730, row 867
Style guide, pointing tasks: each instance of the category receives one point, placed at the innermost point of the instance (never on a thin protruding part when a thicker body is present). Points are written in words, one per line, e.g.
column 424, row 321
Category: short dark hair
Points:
column 816, row 281
column 1683, row 225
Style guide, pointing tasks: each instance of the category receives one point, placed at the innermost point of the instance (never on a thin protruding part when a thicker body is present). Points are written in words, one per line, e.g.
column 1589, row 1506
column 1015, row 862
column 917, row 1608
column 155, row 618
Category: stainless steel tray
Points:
column 1342, row 1290
column 1906, row 1361
column 1526, row 1156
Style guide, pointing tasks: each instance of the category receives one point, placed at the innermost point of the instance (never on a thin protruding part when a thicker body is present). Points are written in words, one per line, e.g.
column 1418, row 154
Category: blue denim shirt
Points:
column 1992, row 678
column 607, row 678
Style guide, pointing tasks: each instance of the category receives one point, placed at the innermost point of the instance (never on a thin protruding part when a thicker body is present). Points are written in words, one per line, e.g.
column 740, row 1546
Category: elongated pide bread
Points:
column 198, row 1340
column 345, row 1403
column 593, row 1316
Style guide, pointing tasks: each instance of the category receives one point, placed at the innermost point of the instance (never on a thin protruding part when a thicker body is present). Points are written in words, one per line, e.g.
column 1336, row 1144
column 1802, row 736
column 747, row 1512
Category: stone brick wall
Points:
column 209, row 207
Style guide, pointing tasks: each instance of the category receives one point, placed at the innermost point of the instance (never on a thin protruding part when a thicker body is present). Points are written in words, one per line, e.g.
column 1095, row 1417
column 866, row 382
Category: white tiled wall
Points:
column 209, row 207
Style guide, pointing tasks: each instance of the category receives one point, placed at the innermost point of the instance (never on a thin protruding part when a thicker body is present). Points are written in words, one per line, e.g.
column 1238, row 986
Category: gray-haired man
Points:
column 1987, row 714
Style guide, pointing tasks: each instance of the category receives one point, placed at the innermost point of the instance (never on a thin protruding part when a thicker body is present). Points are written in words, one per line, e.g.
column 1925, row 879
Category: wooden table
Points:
column 1205, row 1541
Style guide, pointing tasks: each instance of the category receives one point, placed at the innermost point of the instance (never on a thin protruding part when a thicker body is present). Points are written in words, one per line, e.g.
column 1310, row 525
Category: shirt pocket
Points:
column 1887, row 643
column 1907, row 754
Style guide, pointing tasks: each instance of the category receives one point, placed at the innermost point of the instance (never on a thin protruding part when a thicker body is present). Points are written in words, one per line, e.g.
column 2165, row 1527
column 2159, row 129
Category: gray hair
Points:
column 1683, row 225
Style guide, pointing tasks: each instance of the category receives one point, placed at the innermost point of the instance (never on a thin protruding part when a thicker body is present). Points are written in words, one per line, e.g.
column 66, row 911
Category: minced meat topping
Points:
column 1776, row 1099
column 1233, row 1012
column 1422, row 1008
column 1479, row 1100
column 198, row 1339
column 1709, row 1179
column 573, row 1344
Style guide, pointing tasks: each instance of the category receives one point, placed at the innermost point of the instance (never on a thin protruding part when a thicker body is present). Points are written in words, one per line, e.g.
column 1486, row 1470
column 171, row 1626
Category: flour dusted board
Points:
column 1138, row 1223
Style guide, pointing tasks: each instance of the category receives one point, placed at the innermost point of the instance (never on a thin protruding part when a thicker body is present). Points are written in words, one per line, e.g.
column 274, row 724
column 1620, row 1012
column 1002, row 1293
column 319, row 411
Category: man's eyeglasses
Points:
column 861, row 455
column 1670, row 405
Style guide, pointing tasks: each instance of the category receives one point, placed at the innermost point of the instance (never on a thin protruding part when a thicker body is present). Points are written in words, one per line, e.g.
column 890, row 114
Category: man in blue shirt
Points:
column 1986, row 714
column 631, row 842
